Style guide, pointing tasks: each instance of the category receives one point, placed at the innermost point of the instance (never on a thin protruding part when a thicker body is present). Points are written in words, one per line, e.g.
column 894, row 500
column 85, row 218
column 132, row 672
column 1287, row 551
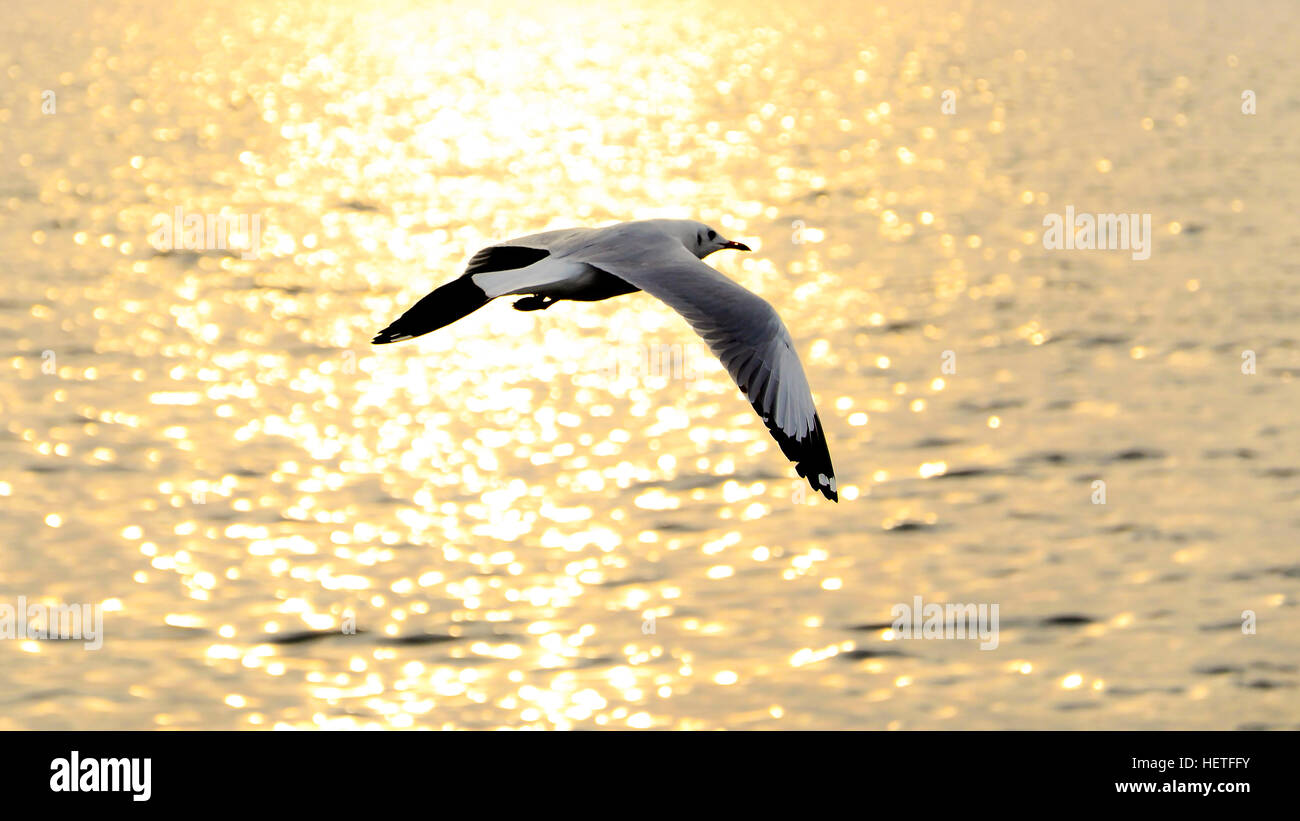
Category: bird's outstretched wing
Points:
column 486, row 277
column 741, row 329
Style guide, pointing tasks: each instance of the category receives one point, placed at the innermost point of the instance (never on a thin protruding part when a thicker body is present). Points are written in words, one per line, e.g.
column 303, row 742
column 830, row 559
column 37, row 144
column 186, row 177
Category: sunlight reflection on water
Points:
column 496, row 525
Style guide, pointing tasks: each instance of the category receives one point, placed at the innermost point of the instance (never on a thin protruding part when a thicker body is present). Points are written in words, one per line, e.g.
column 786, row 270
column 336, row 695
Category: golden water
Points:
column 205, row 443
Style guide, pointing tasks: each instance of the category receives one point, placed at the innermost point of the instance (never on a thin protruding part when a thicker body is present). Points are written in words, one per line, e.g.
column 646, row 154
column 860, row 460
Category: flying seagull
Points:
column 663, row 258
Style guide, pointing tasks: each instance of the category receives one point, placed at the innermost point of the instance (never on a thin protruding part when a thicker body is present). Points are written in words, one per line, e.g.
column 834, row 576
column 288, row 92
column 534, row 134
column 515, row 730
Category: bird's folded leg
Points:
column 534, row 303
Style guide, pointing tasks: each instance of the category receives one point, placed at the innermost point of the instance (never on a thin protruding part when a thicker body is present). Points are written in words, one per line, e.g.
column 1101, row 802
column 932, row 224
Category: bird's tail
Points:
column 458, row 298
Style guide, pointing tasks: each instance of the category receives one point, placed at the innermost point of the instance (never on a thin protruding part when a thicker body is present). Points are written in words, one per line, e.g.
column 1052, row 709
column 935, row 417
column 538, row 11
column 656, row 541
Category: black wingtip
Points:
column 814, row 461
column 822, row 483
column 811, row 456
column 393, row 333
column 457, row 299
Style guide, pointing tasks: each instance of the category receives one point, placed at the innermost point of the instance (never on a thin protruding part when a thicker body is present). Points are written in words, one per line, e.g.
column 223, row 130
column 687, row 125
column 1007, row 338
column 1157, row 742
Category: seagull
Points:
column 663, row 258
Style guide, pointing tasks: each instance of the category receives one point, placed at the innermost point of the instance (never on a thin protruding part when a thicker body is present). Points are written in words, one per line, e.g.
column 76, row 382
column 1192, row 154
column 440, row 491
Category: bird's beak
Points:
column 737, row 246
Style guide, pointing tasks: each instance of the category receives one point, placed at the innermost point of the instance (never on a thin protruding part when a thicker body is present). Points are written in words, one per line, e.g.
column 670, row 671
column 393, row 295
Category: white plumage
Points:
column 662, row 258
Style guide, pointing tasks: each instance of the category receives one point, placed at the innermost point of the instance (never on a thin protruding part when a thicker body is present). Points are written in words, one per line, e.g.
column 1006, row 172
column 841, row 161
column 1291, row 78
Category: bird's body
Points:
column 663, row 258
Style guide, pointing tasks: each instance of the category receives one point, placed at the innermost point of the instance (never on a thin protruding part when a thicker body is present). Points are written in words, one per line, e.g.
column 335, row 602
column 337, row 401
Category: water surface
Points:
column 479, row 529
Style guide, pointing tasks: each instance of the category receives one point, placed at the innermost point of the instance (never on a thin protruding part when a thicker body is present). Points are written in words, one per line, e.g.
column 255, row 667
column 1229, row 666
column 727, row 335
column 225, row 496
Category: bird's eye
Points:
column 713, row 235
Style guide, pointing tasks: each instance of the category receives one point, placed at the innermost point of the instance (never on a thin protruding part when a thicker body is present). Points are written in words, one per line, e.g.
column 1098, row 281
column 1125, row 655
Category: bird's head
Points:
column 701, row 240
